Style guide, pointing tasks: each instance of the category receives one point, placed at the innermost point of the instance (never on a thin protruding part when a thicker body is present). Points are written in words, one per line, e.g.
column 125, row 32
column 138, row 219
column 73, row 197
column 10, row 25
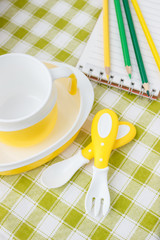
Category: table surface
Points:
column 58, row 30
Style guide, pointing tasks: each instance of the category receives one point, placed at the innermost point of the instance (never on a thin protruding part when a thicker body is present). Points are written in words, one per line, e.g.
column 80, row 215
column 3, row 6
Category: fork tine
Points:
column 106, row 205
column 88, row 203
column 97, row 206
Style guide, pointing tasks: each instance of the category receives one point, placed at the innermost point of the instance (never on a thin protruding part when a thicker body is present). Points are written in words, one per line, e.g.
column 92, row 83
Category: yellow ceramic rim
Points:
column 41, row 161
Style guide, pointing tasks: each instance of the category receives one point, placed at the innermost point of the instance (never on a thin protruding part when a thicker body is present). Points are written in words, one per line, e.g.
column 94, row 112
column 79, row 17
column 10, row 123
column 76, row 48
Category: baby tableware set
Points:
column 42, row 109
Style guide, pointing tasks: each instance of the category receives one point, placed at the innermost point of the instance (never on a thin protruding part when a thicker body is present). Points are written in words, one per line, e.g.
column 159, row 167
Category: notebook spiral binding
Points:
column 120, row 85
column 131, row 88
column 110, row 80
column 141, row 92
column 152, row 94
column 100, row 77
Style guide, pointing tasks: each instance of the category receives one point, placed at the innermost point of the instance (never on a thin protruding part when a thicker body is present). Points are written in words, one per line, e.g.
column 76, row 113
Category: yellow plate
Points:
column 72, row 113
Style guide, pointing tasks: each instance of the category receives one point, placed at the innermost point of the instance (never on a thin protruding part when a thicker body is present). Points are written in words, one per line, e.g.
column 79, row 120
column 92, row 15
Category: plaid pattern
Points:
column 58, row 30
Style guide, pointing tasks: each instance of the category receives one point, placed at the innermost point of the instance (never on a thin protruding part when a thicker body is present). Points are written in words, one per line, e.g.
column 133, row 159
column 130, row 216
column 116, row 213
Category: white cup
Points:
column 28, row 98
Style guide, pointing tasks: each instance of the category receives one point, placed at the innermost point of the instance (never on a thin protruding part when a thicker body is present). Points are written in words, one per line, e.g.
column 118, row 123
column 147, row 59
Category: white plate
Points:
column 72, row 113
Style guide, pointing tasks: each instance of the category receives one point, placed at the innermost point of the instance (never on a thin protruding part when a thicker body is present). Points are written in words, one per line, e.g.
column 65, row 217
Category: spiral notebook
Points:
column 91, row 61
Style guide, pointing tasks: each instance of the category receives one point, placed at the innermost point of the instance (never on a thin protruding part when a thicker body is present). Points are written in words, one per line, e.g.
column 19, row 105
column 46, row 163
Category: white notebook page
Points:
column 93, row 56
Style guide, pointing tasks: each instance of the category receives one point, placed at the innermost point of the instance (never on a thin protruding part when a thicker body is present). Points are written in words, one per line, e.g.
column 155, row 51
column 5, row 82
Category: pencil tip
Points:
column 107, row 77
column 148, row 93
column 129, row 75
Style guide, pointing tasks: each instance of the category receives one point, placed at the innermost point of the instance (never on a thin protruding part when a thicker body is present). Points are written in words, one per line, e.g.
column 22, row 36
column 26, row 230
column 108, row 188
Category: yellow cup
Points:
column 28, row 95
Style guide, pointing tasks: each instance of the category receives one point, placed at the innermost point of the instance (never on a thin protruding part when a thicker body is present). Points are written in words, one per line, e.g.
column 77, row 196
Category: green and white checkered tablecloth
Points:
column 58, row 30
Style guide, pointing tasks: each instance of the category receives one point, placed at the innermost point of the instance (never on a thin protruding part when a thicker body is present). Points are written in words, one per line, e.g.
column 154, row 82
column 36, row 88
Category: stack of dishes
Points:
column 60, row 120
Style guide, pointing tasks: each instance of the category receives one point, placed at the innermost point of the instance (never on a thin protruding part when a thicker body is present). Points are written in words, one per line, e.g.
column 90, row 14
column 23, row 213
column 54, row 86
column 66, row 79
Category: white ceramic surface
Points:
column 27, row 90
column 12, row 158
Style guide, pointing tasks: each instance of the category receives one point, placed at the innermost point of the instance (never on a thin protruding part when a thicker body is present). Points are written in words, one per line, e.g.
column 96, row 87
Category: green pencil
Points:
column 123, row 38
column 136, row 47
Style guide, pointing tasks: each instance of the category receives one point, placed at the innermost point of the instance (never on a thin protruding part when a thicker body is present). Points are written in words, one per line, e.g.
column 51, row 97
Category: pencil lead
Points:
column 107, row 70
column 129, row 71
column 148, row 93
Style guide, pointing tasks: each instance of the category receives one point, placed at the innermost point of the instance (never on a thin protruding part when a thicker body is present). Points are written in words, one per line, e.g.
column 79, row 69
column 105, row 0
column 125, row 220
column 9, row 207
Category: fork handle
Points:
column 126, row 132
column 103, row 132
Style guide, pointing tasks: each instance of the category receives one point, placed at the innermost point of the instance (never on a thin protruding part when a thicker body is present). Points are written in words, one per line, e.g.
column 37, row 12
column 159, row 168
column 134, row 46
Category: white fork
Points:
column 98, row 194
column 103, row 131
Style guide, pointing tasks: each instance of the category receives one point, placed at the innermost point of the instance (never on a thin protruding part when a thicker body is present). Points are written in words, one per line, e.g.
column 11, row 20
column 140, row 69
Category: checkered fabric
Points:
column 58, row 30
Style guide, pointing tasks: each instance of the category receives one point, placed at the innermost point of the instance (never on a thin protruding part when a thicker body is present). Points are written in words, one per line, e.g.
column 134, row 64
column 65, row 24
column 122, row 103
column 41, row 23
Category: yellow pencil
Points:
column 106, row 37
column 147, row 33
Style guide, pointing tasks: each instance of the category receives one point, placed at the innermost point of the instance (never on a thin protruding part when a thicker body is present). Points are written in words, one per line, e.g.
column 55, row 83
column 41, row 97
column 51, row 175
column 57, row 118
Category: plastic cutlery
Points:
column 103, row 131
column 60, row 173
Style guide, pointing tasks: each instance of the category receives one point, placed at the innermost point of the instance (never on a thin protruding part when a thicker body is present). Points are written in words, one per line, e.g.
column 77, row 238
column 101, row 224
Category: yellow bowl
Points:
column 31, row 135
